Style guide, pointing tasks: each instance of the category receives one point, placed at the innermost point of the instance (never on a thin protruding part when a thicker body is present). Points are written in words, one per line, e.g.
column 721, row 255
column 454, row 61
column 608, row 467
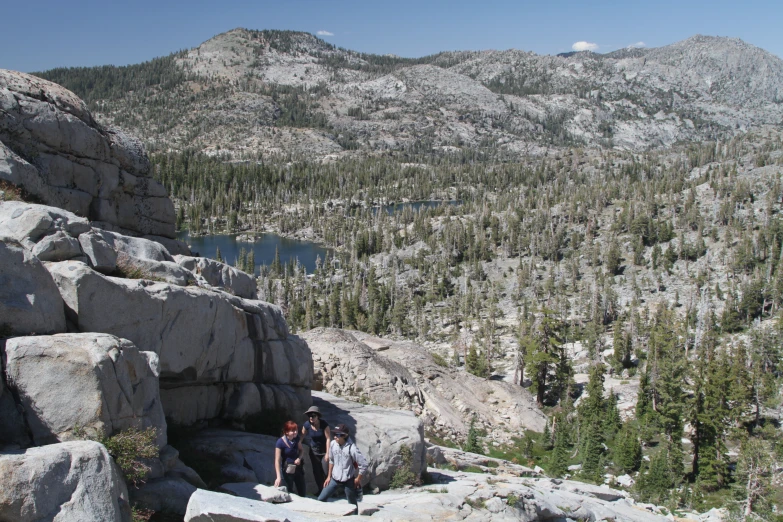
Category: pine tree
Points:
column 472, row 443
column 591, row 421
column 559, row 459
column 218, row 257
column 627, row 449
column 251, row 263
column 545, row 354
column 476, row 364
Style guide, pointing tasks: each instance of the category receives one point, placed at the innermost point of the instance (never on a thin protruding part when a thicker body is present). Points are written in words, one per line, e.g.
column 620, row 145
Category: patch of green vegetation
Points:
column 141, row 515
column 435, row 439
column 472, row 469
column 404, row 475
column 476, row 504
column 439, row 359
column 512, row 500
column 129, row 448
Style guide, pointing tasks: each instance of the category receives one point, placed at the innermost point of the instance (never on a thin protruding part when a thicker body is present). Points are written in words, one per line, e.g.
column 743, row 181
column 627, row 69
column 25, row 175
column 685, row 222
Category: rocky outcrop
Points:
column 52, row 147
column 29, row 299
column 62, row 482
column 220, row 355
column 208, row 506
column 97, row 383
column 404, row 375
column 380, row 433
column 221, row 275
column 479, row 497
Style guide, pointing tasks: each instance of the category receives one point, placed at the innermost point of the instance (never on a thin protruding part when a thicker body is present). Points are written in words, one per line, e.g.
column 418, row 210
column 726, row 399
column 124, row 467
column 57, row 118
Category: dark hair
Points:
column 290, row 426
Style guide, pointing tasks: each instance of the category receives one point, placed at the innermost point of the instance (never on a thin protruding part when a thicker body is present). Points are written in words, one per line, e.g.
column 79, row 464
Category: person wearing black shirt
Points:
column 315, row 433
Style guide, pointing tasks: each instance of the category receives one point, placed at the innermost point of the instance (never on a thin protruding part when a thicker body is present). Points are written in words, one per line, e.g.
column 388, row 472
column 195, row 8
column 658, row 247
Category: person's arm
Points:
column 331, row 466
column 278, row 464
column 362, row 462
column 328, row 435
column 301, row 453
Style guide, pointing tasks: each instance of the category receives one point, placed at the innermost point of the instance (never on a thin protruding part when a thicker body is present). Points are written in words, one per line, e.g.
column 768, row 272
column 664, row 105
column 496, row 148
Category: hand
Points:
column 327, row 481
column 298, row 461
column 326, row 458
column 357, row 482
column 277, row 482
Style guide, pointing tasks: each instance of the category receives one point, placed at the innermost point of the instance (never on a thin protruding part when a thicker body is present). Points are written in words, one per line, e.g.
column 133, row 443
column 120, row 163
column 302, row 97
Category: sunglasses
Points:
column 311, row 415
column 340, row 435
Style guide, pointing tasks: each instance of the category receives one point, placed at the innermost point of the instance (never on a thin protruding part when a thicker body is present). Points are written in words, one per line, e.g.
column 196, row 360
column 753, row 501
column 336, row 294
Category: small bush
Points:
column 439, row 360
column 126, row 269
column 476, row 504
column 10, row 192
column 404, row 475
column 129, row 448
column 512, row 500
column 141, row 514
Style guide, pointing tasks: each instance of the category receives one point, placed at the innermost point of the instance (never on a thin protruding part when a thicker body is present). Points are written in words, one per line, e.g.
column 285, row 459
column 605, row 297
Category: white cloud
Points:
column 638, row 44
column 585, row 46
column 324, row 33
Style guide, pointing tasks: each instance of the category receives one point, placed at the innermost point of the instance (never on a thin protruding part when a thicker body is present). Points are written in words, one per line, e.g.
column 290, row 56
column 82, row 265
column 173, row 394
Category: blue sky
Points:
column 44, row 34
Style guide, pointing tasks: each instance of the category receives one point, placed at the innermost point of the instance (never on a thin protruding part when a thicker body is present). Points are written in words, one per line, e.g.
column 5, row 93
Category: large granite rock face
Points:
column 221, row 275
column 92, row 381
column 396, row 374
column 220, row 355
column 27, row 223
column 52, row 147
column 29, row 299
column 379, row 433
column 208, row 506
column 62, row 483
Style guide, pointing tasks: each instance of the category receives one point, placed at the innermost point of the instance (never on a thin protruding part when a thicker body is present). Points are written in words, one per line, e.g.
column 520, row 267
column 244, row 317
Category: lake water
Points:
column 415, row 205
column 264, row 249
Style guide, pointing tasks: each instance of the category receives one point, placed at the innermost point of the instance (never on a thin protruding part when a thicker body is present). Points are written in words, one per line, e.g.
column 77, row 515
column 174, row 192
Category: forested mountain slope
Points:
column 288, row 93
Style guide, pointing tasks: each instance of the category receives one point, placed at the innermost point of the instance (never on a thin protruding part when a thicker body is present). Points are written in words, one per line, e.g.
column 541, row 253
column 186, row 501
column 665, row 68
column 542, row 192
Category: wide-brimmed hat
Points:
column 313, row 409
column 342, row 429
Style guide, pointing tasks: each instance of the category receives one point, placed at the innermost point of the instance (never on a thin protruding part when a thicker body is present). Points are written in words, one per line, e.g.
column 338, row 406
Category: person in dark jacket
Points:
column 347, row 466
column 317, row 435
column 289, row 458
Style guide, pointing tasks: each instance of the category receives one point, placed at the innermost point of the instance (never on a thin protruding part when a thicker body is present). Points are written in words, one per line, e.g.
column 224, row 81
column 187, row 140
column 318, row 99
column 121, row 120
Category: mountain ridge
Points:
column 291, row 93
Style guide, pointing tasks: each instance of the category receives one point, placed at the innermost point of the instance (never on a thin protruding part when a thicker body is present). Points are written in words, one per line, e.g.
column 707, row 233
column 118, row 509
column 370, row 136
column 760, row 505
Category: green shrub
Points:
column 404, row 475
column 476, row 504
column 439, row 359
column 141, row 514
column 129, row 448
column 512, row 500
